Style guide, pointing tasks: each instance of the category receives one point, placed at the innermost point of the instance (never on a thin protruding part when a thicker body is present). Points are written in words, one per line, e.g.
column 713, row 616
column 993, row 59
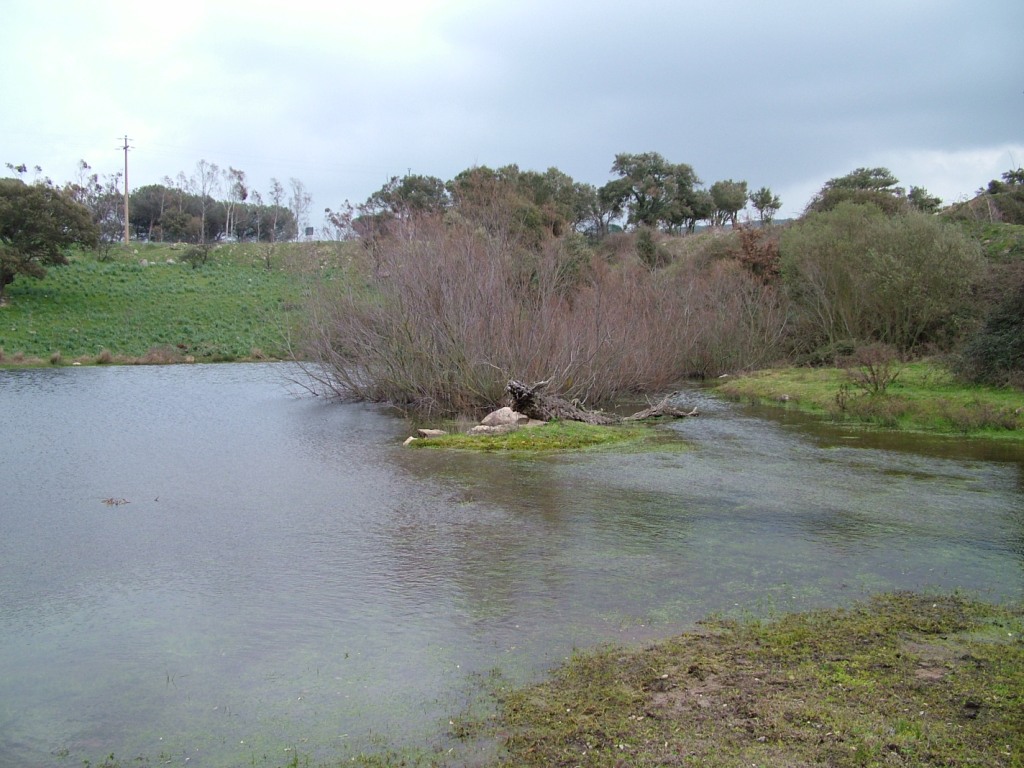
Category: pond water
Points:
column 281, row 574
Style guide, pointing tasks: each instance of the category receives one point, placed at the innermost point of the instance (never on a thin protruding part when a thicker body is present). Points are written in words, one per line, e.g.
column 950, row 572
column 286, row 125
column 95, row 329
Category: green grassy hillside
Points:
column 146, row 303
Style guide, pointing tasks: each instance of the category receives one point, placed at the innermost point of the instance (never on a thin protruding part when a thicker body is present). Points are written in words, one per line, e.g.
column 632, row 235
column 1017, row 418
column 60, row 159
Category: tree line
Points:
column 209, row 205
column 647, row 191
column 214, row 204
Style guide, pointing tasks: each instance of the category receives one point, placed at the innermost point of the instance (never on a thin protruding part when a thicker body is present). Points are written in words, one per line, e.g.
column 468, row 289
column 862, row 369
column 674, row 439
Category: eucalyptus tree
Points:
column 237, row 193
column 104, row 199
column 202, row 184
column 299, row 202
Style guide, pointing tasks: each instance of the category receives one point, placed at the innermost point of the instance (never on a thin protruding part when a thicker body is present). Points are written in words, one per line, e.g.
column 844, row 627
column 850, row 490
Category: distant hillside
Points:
column 1000, row 203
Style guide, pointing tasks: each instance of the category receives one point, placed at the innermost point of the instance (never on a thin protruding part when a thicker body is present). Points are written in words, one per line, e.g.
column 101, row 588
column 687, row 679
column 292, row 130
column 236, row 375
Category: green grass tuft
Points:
column 553, row 436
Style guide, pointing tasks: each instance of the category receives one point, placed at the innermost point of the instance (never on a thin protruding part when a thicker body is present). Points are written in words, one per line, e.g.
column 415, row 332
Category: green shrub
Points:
column 646, row 249
column 855, row 273
column 995, row 354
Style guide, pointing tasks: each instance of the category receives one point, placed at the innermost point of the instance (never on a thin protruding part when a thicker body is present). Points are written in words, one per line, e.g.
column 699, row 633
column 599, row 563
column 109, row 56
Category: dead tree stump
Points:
column 531, row 401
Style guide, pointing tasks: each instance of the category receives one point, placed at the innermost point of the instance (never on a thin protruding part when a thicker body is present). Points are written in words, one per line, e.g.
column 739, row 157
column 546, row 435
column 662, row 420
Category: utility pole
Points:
column 127, row 234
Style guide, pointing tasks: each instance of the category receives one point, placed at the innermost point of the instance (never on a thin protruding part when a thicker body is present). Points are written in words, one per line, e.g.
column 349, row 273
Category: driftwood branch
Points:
column 533, row 402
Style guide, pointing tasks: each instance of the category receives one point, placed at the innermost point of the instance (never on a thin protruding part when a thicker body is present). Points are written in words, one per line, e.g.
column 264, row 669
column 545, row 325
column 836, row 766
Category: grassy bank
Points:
column 923, row 397
column 903, row 680
column 146, row 304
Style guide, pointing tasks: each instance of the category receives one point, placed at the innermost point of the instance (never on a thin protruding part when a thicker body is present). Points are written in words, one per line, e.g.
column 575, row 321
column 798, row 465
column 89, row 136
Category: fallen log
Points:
column 533, row 402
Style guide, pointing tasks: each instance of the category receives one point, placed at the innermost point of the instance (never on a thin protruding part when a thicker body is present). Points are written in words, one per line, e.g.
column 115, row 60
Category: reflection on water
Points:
column 285, row 575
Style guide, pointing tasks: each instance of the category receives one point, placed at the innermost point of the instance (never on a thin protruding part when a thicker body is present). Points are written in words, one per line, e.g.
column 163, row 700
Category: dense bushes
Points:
column 857, row 274
column 995, row 354
column 452, row 311
column 451, row 307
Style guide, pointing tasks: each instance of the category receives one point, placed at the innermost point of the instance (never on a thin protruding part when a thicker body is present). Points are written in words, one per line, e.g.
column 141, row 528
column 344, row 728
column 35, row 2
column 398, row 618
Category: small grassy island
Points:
column 553, row 436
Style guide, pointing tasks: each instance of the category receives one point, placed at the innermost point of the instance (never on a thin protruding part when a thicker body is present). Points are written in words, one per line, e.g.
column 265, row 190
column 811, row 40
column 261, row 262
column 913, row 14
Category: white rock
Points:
column 503, row 416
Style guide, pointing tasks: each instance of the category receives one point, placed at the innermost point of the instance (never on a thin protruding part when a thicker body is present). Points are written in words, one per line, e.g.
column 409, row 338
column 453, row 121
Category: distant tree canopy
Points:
column 169, row 212
column 766, row 203
column 653, row 192
column 874, row 186
column 1002, row 200
column 38, row 222
column 730, row 197
column 650, row 192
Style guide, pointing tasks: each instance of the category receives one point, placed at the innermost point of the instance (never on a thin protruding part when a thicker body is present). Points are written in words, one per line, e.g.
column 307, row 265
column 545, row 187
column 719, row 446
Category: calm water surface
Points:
column 285, row 576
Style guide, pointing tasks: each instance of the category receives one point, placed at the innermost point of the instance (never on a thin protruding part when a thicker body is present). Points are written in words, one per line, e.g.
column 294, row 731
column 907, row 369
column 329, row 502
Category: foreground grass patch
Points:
column 902, row 680
column 554, row 436
column 923, row 397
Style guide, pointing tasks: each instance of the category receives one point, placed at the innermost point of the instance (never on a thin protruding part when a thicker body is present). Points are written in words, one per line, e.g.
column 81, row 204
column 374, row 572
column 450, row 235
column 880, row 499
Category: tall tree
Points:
column 149, row 203
column 730, row 198
column 281, row 224
column 766, row 203
column 655, row 191
column 103, row 198
column 237, row 193
column 37, row 223
column 299, row 202
column 202, row 185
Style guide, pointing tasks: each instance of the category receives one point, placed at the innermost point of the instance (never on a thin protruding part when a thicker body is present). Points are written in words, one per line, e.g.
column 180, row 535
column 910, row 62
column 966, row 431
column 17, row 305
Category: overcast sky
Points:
column 344, row 95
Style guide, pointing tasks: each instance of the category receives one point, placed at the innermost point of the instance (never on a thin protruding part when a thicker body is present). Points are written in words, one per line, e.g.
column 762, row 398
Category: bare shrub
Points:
column 452, row 311
column 872, row 368
column 104, row 357
column 759, row 251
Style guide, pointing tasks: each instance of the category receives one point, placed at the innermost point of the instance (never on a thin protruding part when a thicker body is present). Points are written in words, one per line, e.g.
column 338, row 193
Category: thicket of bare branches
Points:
column 449, row 312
